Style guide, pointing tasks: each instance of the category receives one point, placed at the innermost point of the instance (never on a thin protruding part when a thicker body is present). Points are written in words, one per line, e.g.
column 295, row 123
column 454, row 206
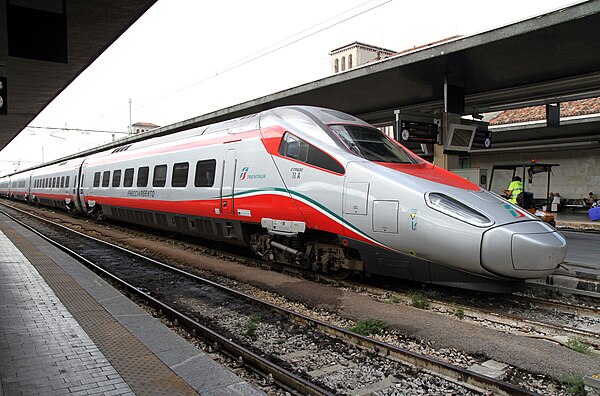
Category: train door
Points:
column 356, row 208
column 227, row 181
column 80, row 193
column 75, row 191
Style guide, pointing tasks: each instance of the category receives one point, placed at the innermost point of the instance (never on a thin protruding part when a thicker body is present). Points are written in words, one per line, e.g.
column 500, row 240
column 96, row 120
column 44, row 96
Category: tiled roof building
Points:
column 538, row 113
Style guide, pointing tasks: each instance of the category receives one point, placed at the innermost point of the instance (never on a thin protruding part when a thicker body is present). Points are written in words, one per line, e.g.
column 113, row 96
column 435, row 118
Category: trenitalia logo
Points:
column 244, row 173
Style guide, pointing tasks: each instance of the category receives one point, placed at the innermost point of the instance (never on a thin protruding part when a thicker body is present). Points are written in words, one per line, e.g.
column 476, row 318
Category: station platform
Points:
column 576, row 221
column 65, row 331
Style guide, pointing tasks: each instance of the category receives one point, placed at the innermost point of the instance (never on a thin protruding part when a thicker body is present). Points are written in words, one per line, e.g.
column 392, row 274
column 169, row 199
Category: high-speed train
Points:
column 312, row 187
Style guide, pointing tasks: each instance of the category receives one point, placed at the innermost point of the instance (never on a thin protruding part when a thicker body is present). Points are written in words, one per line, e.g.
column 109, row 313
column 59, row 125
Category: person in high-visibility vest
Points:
column 514, row 189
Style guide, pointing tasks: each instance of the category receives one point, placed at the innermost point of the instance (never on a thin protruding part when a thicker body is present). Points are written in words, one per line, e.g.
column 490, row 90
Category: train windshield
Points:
column 373, row 145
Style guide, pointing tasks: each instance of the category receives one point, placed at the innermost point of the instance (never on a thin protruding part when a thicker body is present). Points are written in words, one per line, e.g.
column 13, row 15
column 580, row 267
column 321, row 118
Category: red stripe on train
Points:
column 260, row 206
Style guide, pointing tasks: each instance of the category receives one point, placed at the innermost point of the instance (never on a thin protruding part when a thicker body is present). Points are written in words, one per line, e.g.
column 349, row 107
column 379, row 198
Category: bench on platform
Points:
column 574, row 204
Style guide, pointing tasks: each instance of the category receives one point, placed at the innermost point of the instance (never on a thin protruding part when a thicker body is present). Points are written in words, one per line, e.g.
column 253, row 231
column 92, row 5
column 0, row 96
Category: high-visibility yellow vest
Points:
column 517, row 188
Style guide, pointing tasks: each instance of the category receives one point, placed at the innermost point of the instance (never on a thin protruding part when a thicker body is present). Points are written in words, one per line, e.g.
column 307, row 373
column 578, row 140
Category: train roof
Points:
column 320, row 117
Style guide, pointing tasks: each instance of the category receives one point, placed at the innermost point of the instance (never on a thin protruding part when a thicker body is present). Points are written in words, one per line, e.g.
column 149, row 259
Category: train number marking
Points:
column 244, row 212
column 296, row 173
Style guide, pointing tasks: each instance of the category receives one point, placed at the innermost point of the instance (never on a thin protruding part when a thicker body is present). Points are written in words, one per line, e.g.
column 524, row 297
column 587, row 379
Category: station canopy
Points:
column 550, row 58
column 46, row 44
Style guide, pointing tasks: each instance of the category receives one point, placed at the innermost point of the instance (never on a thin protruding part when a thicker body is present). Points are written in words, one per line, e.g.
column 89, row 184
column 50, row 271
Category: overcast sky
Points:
column 185, row 58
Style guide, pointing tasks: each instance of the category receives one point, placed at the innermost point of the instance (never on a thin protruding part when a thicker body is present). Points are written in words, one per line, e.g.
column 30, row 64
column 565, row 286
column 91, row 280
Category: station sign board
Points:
column 419, row 132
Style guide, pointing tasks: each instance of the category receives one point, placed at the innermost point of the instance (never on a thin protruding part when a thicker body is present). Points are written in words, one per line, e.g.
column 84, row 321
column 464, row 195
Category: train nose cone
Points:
column 524, row 250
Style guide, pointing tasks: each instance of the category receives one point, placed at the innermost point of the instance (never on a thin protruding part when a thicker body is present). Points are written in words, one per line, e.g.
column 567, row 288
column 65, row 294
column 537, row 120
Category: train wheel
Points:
column 341, row 273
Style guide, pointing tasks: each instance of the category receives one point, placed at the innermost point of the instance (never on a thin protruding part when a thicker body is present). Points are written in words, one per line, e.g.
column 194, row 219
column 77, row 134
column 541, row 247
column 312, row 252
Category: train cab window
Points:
column 97, row 179
column 180, row 174
column 116, row 180
column 128, row 179
column 142, row 177
column 296, row 148
column 62, row 182
column 105, row 178
column 67, row 181
column 373, row 145
column 159, row 179
column 205, row 173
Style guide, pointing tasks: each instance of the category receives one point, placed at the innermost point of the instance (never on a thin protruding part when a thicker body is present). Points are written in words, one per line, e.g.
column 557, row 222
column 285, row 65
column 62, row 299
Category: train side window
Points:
column 67, row 181
column 296, row 148
column 105, row 178
column 97, row 179
column 180, row 174
column 62, row 182
column 54, row 182
column 116, row 180
column 205, row 173
column 159, row 179
column 142, row 178
column 128, row 179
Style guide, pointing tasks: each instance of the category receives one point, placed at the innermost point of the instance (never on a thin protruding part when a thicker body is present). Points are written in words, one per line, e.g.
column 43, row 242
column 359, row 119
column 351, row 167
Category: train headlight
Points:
column 458, row 210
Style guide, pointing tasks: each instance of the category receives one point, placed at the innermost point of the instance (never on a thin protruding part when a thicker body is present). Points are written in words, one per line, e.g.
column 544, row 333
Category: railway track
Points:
column 525, row 314
column 521, row 315
column 294, row 351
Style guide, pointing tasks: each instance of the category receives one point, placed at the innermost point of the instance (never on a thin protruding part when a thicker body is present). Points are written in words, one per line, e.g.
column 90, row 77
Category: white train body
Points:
column 312, row 187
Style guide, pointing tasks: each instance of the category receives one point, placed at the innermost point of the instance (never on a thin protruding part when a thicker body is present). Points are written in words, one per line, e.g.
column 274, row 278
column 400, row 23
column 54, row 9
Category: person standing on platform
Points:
column 514, row 189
